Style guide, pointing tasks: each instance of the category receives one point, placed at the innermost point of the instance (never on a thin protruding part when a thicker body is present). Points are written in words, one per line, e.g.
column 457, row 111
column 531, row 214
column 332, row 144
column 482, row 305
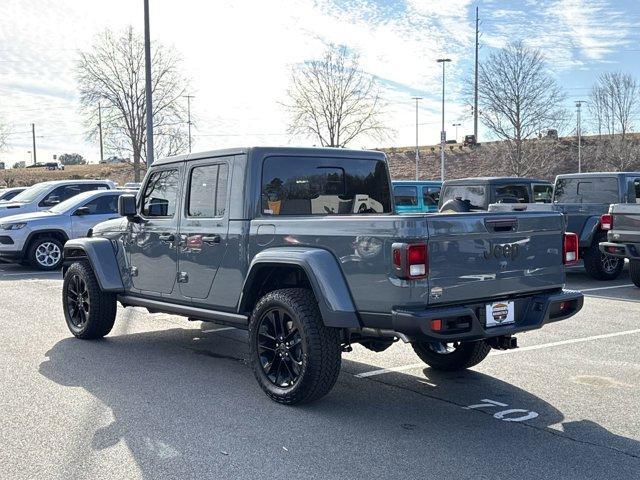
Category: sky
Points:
column 238, row 55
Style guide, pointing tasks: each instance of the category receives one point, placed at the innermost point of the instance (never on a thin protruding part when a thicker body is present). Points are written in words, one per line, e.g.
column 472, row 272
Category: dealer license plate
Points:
column 500, row 313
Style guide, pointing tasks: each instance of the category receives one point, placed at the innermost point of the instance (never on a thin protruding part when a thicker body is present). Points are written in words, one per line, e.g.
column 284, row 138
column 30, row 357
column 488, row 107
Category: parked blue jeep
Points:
column 416, row 196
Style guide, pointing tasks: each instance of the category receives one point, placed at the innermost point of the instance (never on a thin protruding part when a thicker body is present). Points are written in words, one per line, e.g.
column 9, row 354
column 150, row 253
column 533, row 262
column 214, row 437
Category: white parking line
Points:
column 28, row 273
column 611, row 287
column 504, row 352
column 214, row 330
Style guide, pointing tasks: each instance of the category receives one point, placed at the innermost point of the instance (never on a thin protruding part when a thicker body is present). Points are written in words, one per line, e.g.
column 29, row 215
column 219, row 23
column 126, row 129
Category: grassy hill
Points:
column 20, row 177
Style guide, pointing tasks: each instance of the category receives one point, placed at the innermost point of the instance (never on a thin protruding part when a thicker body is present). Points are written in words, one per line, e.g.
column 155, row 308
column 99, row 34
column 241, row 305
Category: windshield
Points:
column 72, row 202
column 31, row 193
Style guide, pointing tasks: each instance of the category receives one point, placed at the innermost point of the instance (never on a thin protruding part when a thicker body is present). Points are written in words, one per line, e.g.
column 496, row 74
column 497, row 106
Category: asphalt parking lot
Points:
column 162, row 397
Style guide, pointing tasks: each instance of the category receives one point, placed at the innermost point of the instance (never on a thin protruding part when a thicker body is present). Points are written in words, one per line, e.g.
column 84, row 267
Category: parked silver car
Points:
column 43, row 196
column 38, row 238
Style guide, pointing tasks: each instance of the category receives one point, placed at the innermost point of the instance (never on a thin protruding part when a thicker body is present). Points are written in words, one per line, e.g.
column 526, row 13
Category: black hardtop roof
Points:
column 493, row 180
column 261, row 152
column 598, row 174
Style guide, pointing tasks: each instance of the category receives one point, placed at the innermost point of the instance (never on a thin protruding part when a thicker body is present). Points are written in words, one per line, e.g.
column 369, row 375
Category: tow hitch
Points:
column 503, row 343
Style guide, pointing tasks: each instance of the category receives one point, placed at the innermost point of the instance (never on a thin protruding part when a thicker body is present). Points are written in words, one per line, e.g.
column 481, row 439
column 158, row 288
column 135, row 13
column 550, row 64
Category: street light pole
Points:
column 579, row 133
column 147, row 84
column 443, row 133
column 456, row 125
column 417, row 99
column 189, row 97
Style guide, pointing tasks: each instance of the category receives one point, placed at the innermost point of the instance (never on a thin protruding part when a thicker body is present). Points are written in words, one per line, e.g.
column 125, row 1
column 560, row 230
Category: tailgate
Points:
column 477, row 256
column 626, row 223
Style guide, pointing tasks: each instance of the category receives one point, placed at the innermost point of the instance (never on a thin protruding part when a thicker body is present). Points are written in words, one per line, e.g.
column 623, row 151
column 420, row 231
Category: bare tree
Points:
column 519, row 99
column 334, row 101
column 111, row 74
column 4, row 135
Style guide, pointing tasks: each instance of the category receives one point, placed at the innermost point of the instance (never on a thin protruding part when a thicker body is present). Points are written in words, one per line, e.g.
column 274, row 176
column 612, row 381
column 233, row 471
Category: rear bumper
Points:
column 469, row 321
column 624, row 250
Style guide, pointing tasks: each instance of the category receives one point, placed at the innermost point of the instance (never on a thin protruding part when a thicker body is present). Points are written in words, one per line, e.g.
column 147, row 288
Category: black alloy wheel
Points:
column 280, row 347
column 78, row 301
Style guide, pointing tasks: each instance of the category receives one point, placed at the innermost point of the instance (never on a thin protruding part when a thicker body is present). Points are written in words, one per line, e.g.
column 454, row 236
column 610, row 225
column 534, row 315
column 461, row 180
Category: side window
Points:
column 160, row 195
column 60, row 194
column 635, row 189
column 405, row 196
column 208, row 191
column 103, row 205
column 430, row 196
column 221, row 195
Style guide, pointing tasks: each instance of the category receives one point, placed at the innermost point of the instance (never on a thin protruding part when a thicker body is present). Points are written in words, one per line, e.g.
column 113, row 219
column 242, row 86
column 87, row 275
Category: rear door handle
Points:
column 211, row 239
column 166, row 237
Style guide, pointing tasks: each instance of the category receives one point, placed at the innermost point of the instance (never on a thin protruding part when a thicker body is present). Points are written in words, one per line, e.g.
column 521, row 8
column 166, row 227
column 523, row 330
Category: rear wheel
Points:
column 45, row 253
column 634, row 272
column 451, row 356
column 89, row 312
column 295, row 357
column 602, row 266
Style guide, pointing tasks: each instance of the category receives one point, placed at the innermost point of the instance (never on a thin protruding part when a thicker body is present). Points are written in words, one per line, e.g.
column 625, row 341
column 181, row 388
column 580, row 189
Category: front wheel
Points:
column 294, row 356
column 89, row 312
column 45, row 253
column 451, row 356
column 634, row 272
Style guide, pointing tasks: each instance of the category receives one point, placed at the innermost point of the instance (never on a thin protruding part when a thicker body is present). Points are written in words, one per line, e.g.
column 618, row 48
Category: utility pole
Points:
column 100, row 131
column 443, row 133
column 33, row 136
column 147, row 84
column 189, row 97
column 475, row 87
column 417, row 99
column 579, row 133
column 456, row 125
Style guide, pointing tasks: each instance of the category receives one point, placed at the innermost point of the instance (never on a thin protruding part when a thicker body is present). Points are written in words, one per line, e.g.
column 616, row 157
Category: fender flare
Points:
column 589, row 231
column 325, row 276
column 102, row 257
column 44, row 231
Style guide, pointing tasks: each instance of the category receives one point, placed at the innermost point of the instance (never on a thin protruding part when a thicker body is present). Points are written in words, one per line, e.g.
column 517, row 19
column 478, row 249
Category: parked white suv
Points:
column 43, row 196
column 37, row 238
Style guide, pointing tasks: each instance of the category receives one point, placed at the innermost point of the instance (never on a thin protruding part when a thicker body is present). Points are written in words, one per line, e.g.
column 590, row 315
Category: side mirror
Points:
column 82, row 211
column 127, row 206
column 52, row 200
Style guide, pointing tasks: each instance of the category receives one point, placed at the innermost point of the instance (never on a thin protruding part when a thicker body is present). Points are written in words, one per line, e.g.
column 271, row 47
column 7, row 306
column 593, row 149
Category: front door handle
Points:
column 211, row 239
column 166, row 237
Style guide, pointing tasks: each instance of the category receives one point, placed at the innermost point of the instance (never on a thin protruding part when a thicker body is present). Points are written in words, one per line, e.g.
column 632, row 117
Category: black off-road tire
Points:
column 320, row 347
column 634, row 272
column 34, row 255
column 101, row 311
column 594, row 262
column 465, row 355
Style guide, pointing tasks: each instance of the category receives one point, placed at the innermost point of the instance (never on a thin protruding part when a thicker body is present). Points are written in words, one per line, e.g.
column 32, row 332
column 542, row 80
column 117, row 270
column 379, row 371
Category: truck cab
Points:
column 416, row 196
column 476, row 194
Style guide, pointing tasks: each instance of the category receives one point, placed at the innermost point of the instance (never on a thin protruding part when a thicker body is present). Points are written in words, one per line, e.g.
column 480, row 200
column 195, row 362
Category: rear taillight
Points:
column 606, row 221
column 570, row 249
column 410, row 260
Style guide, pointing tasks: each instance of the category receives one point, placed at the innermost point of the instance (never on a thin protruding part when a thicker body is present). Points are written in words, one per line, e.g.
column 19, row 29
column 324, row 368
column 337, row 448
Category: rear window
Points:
column 324, row 186
column 511, row 194
column 405, row 196
column 430, row 196
column 586, row 190
column 475, row 194
column 542, row 193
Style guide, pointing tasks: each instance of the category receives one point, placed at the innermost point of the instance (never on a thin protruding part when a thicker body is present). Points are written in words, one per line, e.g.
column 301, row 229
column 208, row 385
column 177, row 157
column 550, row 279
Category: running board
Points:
column 193, row 313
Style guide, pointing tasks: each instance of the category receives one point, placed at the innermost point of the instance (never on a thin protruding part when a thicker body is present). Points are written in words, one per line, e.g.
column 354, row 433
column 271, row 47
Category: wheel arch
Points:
column 58, row 234
column 589, row 232
column 312, row 268
column 101, row 255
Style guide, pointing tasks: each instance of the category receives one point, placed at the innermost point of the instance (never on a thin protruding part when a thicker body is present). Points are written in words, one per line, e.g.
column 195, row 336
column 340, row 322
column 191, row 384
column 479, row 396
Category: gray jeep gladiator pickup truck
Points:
column 300, row 247
column 583, row 198
column 623, row 235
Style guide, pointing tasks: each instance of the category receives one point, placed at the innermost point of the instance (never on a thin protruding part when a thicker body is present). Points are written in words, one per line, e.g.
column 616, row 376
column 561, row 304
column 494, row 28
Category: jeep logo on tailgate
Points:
column 504, row 250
